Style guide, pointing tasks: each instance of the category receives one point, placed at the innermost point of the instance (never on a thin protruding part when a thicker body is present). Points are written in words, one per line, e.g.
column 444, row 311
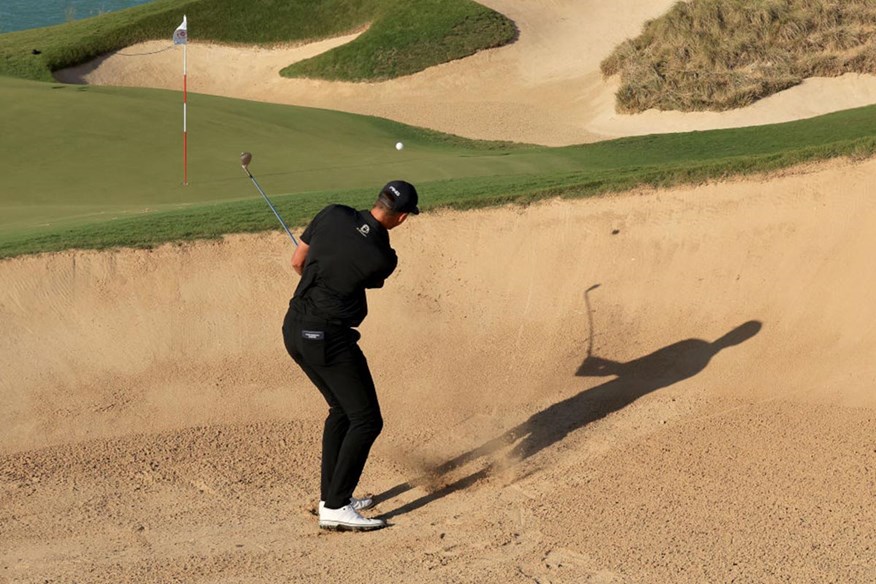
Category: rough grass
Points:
column 404, row 36
column 726, row 54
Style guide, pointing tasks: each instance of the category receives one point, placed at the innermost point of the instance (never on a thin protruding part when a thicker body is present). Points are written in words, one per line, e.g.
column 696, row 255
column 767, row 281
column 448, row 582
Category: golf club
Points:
column 245, row 159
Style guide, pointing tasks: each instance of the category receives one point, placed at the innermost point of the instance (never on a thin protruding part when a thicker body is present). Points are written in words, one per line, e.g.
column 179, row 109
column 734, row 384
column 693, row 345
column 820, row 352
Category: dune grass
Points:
column 725, row 54
column 404, row 36
column 98, row 167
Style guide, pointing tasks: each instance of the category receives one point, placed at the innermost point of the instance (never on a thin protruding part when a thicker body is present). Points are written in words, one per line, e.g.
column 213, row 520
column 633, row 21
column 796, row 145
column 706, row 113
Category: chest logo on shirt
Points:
column 364, row 230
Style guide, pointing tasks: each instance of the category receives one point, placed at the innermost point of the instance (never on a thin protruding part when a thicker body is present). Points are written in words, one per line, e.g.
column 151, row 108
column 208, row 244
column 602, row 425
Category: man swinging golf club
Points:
column 341, row 254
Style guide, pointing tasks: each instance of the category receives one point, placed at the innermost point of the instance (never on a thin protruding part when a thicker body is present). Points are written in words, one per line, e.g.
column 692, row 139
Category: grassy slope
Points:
column 98, row 167
column 726, row 54
column 456, row 30
column 411, row 36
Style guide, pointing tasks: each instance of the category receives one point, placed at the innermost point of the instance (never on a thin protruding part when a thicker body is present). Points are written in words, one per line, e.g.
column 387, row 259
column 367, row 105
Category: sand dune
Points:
column 705, row 413
column 546, row 88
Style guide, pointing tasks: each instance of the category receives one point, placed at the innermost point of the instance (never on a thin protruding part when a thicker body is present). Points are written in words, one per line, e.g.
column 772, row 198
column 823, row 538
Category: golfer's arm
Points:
column 299, row 257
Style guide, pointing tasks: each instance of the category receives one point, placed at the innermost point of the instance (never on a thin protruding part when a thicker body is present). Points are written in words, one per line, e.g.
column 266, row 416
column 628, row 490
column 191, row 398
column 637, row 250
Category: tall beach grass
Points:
column 726, row 54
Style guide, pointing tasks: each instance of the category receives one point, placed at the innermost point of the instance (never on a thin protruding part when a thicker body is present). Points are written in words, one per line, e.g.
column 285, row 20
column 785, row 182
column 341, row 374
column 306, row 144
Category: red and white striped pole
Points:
column 180, row 37
column 185, row 121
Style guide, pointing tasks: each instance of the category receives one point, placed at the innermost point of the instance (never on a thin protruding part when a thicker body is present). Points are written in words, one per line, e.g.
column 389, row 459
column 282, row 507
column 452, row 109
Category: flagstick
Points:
column 181, row 37
column 185, row 120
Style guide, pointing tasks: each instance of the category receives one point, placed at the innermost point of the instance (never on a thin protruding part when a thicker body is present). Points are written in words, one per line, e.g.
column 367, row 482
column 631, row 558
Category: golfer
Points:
column 343, row 252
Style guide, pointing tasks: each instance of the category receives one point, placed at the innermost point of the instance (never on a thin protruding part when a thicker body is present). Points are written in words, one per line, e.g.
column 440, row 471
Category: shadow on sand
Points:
column 632, row 380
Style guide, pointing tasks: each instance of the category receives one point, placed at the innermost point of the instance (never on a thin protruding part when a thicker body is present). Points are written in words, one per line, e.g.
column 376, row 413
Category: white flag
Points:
column 181, row 35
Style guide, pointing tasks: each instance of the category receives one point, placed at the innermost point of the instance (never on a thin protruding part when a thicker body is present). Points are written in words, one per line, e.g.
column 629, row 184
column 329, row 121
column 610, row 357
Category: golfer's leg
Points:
column 353, row 386
column 334, row 430
column 336, row 424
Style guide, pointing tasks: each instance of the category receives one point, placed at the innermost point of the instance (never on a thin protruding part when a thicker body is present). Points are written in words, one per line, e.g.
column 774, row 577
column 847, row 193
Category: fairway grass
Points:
column 98, row 167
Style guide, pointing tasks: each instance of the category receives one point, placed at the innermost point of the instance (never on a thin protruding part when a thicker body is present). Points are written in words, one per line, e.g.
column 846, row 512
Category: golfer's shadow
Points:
column 632, row 380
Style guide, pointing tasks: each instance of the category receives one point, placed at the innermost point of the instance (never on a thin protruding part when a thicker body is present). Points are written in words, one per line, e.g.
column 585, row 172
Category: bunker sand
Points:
column 705, row 413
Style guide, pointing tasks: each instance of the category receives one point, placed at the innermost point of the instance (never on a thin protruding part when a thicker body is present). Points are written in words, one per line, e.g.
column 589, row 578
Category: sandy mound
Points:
column 706, row 413
column 545, row 89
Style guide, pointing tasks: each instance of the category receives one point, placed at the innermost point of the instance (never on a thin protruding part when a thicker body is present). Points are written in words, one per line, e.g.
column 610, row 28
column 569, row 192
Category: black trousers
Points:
column 330, row 356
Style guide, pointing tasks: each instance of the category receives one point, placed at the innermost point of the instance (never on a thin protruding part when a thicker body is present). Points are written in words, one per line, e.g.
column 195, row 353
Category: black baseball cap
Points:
column 400, row 196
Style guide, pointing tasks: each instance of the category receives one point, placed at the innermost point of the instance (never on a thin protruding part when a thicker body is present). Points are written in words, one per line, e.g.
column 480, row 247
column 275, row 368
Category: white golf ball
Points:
column 399, row 145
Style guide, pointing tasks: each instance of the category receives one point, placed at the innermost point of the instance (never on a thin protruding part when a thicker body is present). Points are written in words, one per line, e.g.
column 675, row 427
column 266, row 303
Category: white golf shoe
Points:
column 347, row 519
column 356, row 504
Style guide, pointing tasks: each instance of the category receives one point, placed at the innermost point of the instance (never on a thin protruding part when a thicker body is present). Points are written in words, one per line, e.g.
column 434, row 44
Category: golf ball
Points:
column 399, row 145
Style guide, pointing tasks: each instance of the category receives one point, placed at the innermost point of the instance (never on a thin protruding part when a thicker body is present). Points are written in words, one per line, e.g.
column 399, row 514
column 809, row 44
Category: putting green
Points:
column 84, row 154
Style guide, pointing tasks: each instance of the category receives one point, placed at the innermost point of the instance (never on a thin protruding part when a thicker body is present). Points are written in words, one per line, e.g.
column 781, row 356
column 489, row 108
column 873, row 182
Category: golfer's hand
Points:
column 300, row 257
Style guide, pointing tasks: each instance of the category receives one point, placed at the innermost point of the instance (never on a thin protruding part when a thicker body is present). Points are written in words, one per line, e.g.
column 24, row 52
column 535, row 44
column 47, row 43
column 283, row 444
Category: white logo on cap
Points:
column 364, row 230
column 395, row 191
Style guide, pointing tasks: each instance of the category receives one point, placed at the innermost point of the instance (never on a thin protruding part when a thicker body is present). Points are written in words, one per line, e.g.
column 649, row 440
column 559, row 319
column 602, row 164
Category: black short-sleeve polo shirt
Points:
column 349, row 252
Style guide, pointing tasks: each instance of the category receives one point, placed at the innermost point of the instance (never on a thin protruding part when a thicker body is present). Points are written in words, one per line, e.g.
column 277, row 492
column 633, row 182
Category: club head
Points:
column 245, row 159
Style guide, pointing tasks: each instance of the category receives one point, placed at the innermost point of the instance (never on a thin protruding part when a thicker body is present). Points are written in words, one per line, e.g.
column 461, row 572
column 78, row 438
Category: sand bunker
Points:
column 705, row 413
column 545, row 89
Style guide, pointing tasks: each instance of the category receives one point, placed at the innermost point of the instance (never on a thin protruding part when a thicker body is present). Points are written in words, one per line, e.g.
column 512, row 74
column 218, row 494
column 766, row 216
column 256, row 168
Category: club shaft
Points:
column 271, row 205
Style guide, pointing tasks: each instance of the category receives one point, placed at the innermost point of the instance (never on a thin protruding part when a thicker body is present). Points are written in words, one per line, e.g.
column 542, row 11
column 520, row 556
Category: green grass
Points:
column 410, row 37
column 91, row 167
column 726, row 54
column 404, row 36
